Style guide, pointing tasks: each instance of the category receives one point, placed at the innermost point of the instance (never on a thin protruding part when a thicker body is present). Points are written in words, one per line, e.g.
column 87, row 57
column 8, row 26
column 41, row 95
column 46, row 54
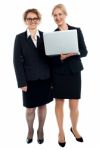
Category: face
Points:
column 59, row 16
column 32, row 21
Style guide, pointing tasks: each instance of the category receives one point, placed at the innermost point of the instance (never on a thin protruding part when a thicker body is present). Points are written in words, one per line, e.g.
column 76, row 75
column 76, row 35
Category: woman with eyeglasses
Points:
column 66, row 77
column 32, row 73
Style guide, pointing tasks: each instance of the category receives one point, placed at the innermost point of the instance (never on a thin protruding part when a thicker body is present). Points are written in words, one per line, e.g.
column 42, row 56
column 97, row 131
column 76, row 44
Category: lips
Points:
column 58, row 21
column 33, row 23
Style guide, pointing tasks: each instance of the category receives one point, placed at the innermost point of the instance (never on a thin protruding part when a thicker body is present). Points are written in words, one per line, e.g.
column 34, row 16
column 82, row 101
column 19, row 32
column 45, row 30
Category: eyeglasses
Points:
column 32, row 19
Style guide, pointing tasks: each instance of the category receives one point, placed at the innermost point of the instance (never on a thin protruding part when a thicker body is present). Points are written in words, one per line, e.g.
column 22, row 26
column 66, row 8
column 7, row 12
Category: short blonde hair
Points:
column 60, row 6
column 33, row 10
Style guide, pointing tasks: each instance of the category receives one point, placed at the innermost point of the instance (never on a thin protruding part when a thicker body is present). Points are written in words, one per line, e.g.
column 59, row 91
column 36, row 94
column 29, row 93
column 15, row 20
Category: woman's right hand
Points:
column 64, row 56
column 24, row 88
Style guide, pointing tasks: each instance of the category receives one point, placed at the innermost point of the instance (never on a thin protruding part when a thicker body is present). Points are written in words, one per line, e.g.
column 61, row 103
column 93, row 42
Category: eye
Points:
column 60, row 14
column 55, row 15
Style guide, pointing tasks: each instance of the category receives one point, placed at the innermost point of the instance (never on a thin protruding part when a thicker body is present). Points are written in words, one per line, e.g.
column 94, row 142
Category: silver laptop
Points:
column 61, row 42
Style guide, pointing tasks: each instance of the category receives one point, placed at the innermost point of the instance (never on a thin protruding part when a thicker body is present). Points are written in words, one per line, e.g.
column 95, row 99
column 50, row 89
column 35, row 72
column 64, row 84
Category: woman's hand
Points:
column 65, row 56
column 24, row 88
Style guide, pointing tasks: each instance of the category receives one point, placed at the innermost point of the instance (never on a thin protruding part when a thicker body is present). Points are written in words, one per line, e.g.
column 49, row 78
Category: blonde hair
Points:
column 33, row 10
column 60, row 6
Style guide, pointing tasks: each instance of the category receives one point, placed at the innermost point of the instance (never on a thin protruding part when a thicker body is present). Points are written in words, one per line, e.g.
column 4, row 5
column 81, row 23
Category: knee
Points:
column 43, row 107
column 73, row 109
column 59, row 103
column 73, row 105
column 30, row 111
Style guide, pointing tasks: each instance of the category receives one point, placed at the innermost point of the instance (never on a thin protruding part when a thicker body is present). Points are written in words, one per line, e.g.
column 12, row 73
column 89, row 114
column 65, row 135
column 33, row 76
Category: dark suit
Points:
column 74, row 62
column 66, row 77
column 30, row 62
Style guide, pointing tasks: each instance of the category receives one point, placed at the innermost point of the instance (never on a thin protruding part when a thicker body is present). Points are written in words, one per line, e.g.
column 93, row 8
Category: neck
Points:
column 33, row 31
column 63, row 27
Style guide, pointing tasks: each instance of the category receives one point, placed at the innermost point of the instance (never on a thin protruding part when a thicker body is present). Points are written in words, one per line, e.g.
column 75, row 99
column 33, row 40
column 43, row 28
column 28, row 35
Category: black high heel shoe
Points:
column 28, row 140
column 62, row 144
column 80, row 139
column 40, row 140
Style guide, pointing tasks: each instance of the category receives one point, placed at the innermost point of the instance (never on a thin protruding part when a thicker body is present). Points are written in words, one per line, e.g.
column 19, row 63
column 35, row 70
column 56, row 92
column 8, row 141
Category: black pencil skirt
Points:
column 38, row 93
column 67, row 86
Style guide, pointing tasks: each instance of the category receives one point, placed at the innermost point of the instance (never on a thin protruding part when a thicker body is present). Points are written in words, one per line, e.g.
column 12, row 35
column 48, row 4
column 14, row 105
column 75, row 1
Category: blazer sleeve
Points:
column 18, row 61
column 81, row 44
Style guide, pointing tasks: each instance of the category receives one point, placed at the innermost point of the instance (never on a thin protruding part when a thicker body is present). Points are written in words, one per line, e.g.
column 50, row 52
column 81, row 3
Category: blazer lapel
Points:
column 30, row 42
column 39, row 39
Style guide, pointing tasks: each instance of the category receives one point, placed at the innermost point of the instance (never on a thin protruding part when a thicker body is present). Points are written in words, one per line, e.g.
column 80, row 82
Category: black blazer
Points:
column 30, row 62
column 74, row 63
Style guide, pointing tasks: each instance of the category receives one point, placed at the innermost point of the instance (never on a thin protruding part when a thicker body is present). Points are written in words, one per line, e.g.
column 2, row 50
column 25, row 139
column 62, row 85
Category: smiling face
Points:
column 59, row 16
column 32, row 20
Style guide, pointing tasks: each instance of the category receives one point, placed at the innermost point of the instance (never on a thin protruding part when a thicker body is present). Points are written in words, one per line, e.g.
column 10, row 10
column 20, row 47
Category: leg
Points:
column 59, row 116
column 30, row 116
column 41, row 118
column 74, row 113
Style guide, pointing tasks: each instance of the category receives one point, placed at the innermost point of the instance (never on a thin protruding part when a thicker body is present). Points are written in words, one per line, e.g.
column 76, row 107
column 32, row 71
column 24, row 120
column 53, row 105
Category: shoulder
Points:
column 21, row 35
column 73, row 27
column 79, row 31
column 40, row 32
column 57, row 29
column 70, row 28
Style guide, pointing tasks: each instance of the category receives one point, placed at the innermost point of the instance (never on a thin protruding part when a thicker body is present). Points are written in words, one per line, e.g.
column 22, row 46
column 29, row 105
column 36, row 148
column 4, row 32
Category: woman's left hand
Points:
column 65, row 56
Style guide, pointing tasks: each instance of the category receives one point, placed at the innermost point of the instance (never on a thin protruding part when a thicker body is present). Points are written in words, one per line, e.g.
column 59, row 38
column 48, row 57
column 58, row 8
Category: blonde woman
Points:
column 32, row 72
column 66, row 77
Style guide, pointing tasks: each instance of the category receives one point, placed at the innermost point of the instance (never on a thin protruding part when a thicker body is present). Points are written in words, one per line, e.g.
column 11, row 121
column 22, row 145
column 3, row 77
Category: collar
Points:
column 29, row 33
column 69, row 28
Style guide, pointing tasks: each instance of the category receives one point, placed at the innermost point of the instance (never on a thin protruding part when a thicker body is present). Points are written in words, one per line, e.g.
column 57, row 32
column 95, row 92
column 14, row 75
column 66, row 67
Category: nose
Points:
column 57, row 17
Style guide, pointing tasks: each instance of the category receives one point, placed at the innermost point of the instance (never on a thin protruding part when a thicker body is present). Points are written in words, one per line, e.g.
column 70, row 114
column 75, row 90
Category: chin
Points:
column 32, row 28
column 59, row 24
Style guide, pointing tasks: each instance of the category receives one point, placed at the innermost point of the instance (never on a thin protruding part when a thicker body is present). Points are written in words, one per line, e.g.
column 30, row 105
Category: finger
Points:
column 24, row 90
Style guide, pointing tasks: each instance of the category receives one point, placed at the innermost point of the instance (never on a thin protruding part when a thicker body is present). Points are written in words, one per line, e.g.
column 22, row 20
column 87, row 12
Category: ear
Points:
column 65, row 16
column 25, row 22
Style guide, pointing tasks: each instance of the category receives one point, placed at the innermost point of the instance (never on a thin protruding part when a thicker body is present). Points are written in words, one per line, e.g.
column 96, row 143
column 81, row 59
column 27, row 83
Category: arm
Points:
column 81, row 44
column 18, row 61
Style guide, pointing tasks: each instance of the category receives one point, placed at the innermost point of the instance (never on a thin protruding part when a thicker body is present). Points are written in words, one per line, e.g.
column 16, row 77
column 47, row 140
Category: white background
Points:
column 13, row 127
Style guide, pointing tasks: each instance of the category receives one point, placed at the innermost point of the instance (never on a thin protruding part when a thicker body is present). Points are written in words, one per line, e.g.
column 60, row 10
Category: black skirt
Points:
column 38, row 93
column 67, row 86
